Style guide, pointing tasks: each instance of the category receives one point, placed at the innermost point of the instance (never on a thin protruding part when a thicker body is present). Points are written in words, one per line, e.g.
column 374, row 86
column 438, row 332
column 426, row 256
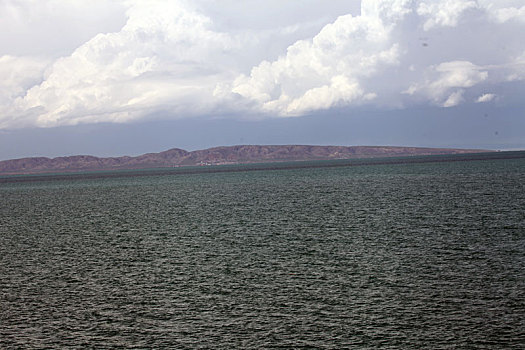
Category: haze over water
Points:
column 399, row 256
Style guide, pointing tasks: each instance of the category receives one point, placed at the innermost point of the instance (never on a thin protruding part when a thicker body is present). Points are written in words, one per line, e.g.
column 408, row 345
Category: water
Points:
column 399, row 256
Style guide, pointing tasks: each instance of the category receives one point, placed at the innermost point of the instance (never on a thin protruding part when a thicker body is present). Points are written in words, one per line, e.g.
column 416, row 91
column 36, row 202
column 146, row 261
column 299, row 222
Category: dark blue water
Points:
column 400, row 256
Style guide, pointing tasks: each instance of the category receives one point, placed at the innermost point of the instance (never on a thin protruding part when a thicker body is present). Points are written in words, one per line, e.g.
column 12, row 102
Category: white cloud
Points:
column 448, row 76
column 17, row 74
column 388, row 10
column 509, row 13
column 515, row 70
column 55, row 27
column 388, row 54
column 339, row 90
column 443, row 13
column 486, row 98
column 454, row 99
column 458, row 74
column 165, row 55
column 326, row 71
column 182, row 58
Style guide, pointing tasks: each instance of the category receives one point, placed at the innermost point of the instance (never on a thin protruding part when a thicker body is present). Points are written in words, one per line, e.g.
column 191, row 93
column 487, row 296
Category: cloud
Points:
column 183, row 59
column 165, row 56
column 17, row 74
column 446, row 77
column 486, row 98
column 443, row 13
column 458, row 74
column 510, row 13
column 168, row 57
column 454, row 99
column 395, row 54
column 55, row 27
column 326, row 71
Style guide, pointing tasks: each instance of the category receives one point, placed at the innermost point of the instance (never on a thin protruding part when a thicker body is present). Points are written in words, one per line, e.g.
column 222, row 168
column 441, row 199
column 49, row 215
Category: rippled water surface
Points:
column 405, row 256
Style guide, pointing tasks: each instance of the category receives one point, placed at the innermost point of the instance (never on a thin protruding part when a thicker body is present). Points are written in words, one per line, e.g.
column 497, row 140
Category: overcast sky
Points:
column 114, row 77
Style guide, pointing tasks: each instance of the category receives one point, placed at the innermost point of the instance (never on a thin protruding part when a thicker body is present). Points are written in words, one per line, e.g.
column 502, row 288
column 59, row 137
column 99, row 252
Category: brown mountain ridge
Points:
column 215, row 156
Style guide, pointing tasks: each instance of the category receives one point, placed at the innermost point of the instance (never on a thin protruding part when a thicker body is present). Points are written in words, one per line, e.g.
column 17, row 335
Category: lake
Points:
column 390, row 256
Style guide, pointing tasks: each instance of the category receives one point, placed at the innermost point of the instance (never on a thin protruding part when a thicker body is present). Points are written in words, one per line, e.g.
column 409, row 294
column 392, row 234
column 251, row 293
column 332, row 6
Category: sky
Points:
column 126, row 77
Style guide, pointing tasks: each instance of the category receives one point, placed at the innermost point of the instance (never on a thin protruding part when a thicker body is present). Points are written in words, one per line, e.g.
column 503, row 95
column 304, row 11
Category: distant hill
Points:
column 214, row 156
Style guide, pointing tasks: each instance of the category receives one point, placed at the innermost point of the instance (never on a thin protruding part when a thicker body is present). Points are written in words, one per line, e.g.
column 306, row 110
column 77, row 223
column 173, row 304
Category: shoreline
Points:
column 257, row 166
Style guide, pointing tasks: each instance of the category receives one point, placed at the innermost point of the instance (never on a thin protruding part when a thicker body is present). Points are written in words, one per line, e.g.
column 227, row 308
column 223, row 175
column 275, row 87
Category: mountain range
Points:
column 215, row 156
